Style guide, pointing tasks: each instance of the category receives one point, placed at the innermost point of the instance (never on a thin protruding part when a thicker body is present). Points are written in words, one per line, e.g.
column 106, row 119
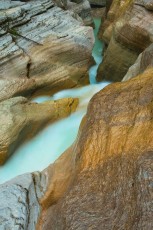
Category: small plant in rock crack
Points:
column 15, row 33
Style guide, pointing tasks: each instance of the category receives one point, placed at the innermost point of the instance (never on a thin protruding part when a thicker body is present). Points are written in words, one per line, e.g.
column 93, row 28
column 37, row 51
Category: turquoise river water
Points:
column 49, row 144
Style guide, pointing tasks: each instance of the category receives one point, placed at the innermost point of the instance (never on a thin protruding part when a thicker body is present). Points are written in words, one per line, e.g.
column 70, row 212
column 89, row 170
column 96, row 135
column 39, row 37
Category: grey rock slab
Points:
column 19, row 201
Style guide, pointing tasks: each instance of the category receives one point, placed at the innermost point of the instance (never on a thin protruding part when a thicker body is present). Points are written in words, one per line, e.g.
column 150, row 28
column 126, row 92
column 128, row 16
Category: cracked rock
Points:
column 20, row 209
column 42, row 42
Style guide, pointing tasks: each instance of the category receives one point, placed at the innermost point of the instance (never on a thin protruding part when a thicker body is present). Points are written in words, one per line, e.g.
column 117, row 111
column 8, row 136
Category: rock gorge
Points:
column 104, row 180
column 37, row 43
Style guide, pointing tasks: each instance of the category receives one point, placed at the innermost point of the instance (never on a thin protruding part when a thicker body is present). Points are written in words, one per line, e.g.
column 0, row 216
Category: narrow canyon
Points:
column 76, row 109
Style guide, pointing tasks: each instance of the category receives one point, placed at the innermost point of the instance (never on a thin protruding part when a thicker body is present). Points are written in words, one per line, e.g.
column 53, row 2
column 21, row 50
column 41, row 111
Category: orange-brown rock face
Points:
column 127, row 31
column 107, row 180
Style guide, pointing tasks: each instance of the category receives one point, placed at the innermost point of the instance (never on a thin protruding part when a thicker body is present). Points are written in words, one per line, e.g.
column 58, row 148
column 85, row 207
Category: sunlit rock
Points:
column 105, row 178
column 127, row 31
column 21, row 119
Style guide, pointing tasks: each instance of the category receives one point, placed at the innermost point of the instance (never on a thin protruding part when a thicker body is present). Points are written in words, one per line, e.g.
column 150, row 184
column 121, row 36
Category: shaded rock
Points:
column 20, row 208
column 115, row 58
column 128, row 33
column 136, row 34
column 144, row 61
column 42, row 42
column 21, row 120
column 99, row 12
column 105, row 178
column 98, row 2
column 81, row 8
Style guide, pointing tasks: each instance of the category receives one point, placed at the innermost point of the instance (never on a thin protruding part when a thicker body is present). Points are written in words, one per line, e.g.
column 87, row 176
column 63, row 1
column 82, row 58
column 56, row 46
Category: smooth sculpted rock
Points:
column 127, row 33
column 20, row 207
column 105, row 180
column 21, row 119
column 44, row 45
column 144, row 61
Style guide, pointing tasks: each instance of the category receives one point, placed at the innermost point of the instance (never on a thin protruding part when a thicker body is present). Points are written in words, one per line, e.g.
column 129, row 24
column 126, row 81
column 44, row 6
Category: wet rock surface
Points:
column 21, row 120
column 107, row 180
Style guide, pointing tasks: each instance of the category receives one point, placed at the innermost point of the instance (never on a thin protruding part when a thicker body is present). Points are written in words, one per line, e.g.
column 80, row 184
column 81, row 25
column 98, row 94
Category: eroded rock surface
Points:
column 105, row 179
column 21, row 120
column 127, row 31
column 19, row 207
column 42, row 44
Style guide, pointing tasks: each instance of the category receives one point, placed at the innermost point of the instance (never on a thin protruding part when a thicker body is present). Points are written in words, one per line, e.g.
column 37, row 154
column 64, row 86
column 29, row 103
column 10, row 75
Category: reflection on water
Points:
column 47, row 146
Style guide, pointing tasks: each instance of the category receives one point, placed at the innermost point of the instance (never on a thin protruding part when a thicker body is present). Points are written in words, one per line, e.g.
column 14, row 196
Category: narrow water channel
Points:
column 48, row 145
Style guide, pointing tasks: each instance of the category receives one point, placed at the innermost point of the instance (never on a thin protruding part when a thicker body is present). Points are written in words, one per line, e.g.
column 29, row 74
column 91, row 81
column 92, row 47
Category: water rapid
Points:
column 49, row 144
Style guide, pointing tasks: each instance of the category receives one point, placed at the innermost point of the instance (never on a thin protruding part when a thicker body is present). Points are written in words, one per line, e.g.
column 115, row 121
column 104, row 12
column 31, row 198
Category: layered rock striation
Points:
column 104, row 180
column 42, row 48
column 20, row 201
column 127, row 31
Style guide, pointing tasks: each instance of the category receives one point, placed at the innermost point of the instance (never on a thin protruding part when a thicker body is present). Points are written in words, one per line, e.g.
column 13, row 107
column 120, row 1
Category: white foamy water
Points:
column 48, row 145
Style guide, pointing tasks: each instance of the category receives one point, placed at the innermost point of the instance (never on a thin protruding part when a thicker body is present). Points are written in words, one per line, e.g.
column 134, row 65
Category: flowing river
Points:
column 49, row 144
